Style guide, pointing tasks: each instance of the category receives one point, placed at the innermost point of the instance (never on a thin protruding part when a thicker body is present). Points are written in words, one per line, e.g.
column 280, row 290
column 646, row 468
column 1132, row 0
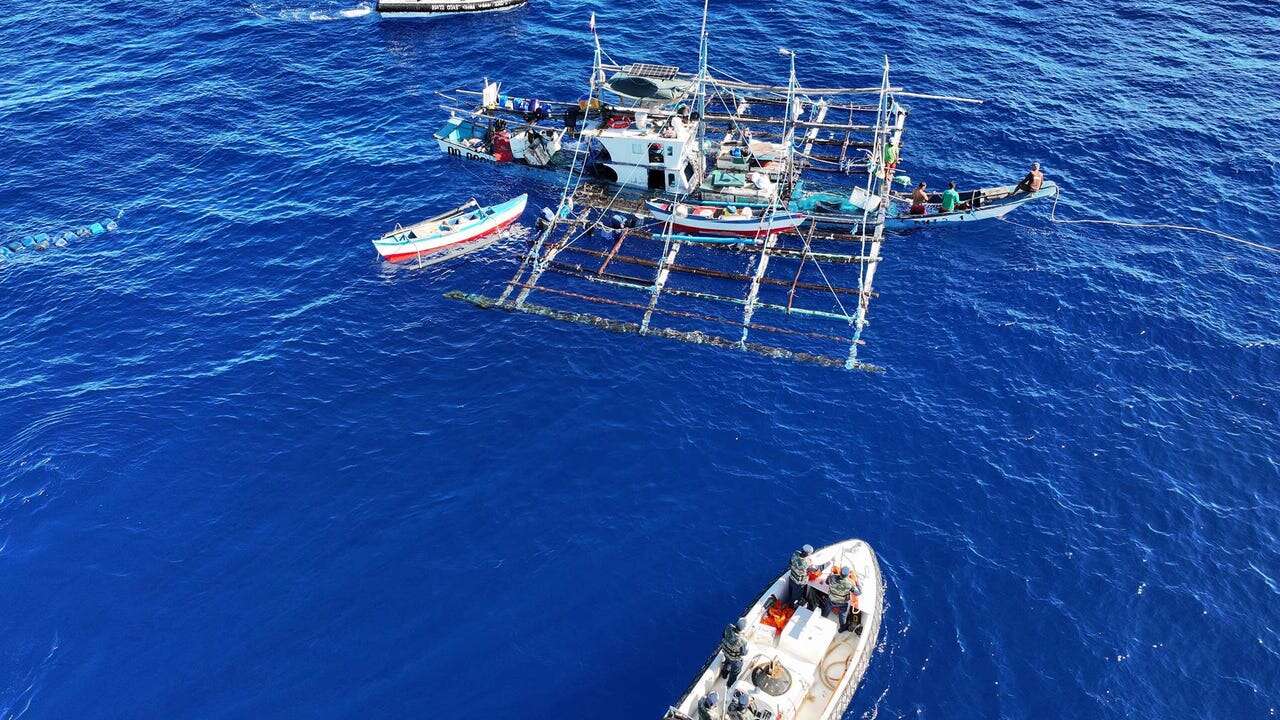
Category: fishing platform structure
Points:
column 801, row 294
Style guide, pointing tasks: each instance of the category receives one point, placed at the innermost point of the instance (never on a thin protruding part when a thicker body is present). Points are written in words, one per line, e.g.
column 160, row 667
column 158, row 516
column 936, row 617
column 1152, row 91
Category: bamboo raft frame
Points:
column 650, row 261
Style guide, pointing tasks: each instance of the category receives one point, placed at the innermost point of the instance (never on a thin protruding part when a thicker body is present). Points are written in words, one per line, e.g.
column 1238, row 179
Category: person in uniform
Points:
column 734, row 648
column 745, row 707
column 797, row 577
column 839, row 589
column 707, row 706
column 1032, row 182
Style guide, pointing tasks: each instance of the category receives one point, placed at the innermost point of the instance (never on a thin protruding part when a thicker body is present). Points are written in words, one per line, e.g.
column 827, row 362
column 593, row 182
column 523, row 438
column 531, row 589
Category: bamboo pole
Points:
column 695, row 338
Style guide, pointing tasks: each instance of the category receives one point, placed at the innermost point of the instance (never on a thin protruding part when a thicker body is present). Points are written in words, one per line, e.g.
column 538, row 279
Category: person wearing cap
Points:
column 797, row 575
column 707, row 706
column 737, row 707
column 950, row 198
column 839, row 589
column 734, row 649
column 1033, row 181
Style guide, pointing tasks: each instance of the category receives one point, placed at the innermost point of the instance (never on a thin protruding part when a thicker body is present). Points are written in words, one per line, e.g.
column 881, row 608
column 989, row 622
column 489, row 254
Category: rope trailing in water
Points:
column 1053, row 217
column 45, row 240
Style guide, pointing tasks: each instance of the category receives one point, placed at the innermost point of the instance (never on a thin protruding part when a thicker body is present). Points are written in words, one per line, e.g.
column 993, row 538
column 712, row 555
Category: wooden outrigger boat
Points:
column 832, row 210
column 724, row 219
column 982, row 204
column 449, row 231
column 434, row 8
column 800, row 663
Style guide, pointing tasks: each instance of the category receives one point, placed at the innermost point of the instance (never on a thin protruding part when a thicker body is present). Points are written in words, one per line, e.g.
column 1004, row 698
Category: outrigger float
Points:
column 797, row 662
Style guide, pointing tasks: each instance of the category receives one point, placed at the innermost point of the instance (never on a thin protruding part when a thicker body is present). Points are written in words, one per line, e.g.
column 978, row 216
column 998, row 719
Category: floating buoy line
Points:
column 40, row 242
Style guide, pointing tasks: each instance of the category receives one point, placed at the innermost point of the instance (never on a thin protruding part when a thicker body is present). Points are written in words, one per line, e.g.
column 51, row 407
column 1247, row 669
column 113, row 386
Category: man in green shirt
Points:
column 949, row 198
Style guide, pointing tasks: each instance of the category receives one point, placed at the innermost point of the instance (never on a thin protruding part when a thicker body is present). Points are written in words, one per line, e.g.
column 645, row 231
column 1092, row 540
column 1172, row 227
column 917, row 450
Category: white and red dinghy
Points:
column 459, row 226
column 717, row 220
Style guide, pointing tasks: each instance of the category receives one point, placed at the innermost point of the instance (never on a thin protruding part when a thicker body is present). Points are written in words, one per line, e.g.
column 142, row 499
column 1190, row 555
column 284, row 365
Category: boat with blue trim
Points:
column 833, row 210
column 452, row 230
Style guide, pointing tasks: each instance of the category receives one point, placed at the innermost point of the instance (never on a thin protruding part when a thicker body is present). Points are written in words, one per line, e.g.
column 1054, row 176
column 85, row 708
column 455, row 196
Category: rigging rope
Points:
column 1154, row 226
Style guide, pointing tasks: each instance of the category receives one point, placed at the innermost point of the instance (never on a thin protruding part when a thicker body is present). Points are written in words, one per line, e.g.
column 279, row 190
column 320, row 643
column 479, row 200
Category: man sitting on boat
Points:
column 744, row 707
column 1032, row 182
column 950, row 197
column 707, row 706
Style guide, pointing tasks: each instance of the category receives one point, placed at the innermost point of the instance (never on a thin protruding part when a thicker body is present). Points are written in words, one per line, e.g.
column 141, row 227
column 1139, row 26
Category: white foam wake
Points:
column 359, row 10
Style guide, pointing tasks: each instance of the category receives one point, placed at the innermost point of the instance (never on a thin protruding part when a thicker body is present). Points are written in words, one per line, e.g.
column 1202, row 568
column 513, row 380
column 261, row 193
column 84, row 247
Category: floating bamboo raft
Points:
column 802, row 295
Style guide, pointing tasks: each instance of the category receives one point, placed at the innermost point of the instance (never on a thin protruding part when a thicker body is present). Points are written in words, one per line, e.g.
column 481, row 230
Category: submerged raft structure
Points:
column 803, row 294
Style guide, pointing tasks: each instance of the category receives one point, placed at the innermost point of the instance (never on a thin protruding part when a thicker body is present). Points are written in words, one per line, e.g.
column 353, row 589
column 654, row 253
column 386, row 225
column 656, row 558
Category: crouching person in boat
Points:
column 798, row 576
column 734, row 648
column 744, row 707
column 707, row 706
column 1032, row 182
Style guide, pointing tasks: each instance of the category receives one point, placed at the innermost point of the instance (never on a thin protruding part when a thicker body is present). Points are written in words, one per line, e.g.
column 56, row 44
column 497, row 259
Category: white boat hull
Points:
column 399, row 245
column 757, row 227
column 993, row 211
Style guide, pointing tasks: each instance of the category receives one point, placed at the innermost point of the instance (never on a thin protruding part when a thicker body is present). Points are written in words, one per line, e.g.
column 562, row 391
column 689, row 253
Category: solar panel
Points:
column 657, row 72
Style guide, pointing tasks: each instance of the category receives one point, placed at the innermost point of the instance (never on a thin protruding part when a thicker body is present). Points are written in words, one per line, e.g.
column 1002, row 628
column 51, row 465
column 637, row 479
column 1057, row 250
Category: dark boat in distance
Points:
column 432, row 8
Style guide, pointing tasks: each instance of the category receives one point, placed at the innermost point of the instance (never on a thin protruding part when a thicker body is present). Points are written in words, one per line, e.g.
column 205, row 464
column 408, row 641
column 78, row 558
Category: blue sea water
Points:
column 247, row 470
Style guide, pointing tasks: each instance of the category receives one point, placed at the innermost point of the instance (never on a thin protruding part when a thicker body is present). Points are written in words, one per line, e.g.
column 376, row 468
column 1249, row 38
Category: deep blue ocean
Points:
column 248, row 470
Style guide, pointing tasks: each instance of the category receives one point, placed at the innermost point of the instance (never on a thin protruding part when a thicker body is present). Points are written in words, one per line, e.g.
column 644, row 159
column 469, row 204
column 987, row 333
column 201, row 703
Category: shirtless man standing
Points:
column 918, row 200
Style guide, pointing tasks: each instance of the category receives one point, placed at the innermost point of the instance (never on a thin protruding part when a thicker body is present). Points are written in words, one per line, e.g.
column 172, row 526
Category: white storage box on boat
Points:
column 807, row 636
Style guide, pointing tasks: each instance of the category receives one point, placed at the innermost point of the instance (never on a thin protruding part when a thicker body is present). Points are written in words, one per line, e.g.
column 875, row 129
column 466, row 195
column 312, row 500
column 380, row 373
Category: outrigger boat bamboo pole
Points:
column 611, row 257
column 583, row 208
column 696, row 338
column 631, row 282
column 780, row 89
column 868, row 270
column 760, row 120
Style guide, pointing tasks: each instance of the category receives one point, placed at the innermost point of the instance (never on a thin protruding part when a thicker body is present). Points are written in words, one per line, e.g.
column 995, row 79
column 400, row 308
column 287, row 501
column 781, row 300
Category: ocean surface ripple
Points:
column 247, row 470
